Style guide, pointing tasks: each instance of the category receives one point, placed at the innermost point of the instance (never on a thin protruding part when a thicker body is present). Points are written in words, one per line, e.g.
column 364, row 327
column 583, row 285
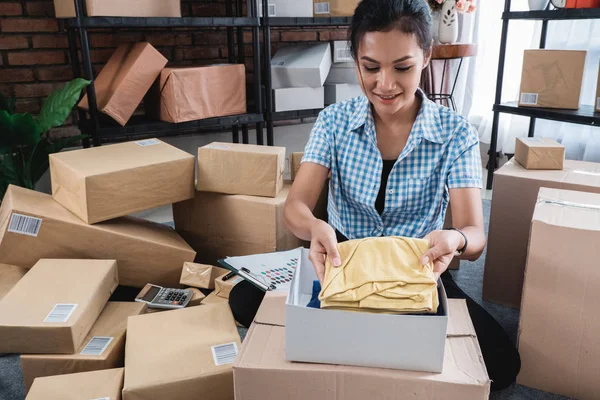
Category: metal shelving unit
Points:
column 102, row 129
column 585, row 115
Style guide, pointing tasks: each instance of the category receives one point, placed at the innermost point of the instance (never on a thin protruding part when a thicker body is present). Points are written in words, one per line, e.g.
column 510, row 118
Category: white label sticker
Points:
column 278, row 63
column 148, row 142
column 532, row 140
column 103, row 398
column 96, row 346
column 598, row 103
column 61, row 313
column 272, row 12
column 322, row 8
column 217, row 146
column 24, row 225
column 224, row 353
column 529, row 98
column 344, row 54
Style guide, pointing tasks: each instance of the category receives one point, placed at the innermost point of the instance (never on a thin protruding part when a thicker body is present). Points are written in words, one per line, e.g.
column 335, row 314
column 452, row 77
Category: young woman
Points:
column 396, row 161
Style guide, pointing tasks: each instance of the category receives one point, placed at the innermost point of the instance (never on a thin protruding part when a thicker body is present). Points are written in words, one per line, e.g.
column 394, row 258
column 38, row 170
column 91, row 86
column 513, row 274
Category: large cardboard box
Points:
column 245, row 169
column 597, row 108
column 288, row 8
column 301, row 65
column 334, row 8
column 223, row 288
column 53, row 307
column 515, row 194
column 407, row 342
column 552, row 78
column 539, row 153
column 34, row 226
column 334, row 93
column 106, row 182
column 117, row 8
column 342, row 73
column 200, row 275
column 9, row 276
column 304, row 98
column 261, row 364
column 559, row 325
column 192, row 93
column 125, row 80
column 100, row 385
column 103, row 347
column 219, row 225
column 195, row 362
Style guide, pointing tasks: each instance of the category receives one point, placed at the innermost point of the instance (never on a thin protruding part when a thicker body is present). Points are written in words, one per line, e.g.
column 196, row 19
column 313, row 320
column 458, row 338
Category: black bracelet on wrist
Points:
column 464, row 248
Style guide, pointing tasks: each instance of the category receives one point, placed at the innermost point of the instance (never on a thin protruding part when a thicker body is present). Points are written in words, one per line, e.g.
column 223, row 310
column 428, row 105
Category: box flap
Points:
column 568, row 208
column 272, row 309
column 459, row 321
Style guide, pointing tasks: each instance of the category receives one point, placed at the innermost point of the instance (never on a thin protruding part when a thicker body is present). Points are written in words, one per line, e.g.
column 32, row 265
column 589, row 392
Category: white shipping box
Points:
column 287, row 8
column 303, row 65
column 341, row 52
column 289, row 99
column 342, row 73
column 342, row 91
column 408, row 342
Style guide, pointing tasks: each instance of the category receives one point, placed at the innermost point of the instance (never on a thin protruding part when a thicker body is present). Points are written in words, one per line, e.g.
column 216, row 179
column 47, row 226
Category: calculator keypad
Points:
column 174, row 297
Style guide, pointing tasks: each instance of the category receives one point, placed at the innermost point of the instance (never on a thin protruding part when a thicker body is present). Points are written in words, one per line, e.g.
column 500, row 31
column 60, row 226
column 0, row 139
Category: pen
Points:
column 229, row 275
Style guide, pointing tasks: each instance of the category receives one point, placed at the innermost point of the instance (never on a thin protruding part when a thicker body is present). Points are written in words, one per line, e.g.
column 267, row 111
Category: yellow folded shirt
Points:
column 382, row 274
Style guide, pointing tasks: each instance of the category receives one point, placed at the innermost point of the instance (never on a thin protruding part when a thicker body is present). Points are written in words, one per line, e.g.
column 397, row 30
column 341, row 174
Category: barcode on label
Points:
column 24, row 225
column 224, row 353
column 147, row 142
column 61, row 313
column 96, row 346
column 529, row 98
column 322, row 8
column 272, row 12
column 598, row 103
column 344, row 54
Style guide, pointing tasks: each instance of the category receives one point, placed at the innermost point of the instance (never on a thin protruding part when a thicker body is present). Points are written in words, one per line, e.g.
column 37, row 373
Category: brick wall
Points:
column 34, row 56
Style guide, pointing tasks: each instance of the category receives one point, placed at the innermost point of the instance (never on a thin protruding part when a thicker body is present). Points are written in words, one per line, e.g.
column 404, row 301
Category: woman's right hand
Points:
column 323, row 244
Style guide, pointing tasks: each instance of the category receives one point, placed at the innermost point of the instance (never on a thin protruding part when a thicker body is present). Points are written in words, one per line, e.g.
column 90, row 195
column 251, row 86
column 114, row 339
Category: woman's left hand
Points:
column 443, row 246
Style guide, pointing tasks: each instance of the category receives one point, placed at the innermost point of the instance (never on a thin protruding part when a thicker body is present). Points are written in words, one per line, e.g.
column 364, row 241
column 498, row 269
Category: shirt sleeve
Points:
column 318, row 148
column 465, row 171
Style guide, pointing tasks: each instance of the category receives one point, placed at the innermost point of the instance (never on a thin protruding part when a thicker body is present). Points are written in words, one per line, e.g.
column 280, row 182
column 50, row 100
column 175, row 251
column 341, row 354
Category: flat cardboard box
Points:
column 597, row 108
column 261, row 364
column 223, row 288
column 539, row 153
column 219, row 225
column 552, row 78
column 200, row 275
column 301, row 65
column 117, row 8
column 106, row 182
column 341, row 52
column 515, row 194
column 103, row 348
column 197, row 364
column 192, row 93
column 559, row 322
column 9, row 276
column 288, row 8
column 334, row 8
column 100, row 385
column 289, row 99
column 231, row 168
column 407, row 342
column 342, row 73
column 335, row 93
column 146, row 252
column 53, row 307
column 125, row 80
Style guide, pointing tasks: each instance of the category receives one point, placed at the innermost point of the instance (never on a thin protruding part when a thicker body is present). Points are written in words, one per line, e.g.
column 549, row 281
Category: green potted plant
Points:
column 24, row 140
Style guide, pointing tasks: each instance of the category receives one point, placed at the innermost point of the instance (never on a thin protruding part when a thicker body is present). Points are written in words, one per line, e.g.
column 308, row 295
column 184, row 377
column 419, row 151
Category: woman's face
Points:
column 389, row 69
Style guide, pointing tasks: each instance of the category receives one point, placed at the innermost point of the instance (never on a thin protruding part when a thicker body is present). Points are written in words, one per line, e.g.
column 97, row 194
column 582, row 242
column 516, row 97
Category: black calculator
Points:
column 160, row 297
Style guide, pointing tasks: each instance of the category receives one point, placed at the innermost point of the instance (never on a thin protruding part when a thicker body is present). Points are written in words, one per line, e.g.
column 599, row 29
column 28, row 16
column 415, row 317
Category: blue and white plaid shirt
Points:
column 442, row 153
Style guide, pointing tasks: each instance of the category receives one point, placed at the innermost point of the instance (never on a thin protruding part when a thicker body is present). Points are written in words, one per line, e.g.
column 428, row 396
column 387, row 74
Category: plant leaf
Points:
column 59, row 104
column 9, row 173
column 17, row 130
column 7, row 103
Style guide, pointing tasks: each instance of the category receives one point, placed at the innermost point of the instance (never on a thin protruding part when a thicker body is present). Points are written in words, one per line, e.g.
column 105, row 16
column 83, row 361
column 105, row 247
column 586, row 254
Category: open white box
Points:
column 408, row 342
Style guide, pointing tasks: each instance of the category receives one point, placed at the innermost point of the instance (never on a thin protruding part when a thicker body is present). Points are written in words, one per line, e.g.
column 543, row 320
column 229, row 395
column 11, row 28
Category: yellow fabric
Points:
column 381, row 274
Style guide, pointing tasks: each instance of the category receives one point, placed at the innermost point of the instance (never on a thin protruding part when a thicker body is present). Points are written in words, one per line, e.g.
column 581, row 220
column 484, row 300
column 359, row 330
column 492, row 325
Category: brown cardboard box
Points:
column 125, row 79
column 552, row 78
column 539, row 153
column 515, row 194
column 219, row 225
column 53, row 307
column 105, row 384
column 597, row 108
column 106, row 182
column 197, row 297
column 246, row 169
column 223, row 288
column 108, row 330
column 197, row 363
column 214, row 299
column 193, row 93
column 334, row 8
column 146, row 252
column 558, row 330
column 9, row 276
column 117, row 8
column 200, row 275
column 261, row 364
